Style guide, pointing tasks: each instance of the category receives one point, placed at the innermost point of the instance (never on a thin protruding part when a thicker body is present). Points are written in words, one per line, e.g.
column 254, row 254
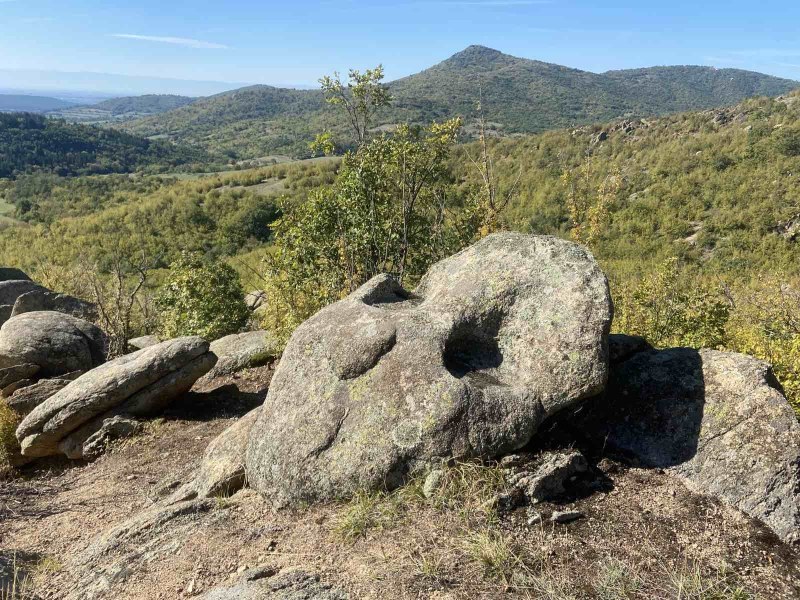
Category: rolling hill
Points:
column 519, row 96
column 122, row 109
column 33, row 104
column 30, row 142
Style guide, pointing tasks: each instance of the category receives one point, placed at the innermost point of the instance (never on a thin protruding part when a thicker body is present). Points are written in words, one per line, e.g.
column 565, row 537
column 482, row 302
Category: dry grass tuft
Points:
column 8, row 439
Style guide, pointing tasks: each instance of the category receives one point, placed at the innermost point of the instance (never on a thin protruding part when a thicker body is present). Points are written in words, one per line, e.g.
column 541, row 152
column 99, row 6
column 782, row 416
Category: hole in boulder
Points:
column 472, row 351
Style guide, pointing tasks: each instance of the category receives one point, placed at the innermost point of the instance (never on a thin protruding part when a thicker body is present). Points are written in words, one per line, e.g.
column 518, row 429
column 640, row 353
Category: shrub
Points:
column 201, row 297
column 8, row 441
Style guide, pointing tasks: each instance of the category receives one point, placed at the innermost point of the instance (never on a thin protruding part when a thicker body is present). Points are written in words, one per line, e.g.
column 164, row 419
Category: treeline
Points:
column 31, row 142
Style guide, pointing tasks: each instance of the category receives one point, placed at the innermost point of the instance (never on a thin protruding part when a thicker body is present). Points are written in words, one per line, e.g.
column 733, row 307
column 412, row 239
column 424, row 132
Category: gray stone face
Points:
column 12, row 274
column 222, row 470
column 56, row 342
column 494, row 340
column 717, row 420
column 5, row 313
column 44, row 300
column 143, row 342
column 135, row 384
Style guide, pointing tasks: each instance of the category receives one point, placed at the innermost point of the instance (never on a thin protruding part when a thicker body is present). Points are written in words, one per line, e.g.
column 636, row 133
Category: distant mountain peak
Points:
column 477, row 55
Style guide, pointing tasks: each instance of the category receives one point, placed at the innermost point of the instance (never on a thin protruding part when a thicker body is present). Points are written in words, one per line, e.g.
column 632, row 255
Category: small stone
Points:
column 432, row 482
column 566, row 516
column 534, row 517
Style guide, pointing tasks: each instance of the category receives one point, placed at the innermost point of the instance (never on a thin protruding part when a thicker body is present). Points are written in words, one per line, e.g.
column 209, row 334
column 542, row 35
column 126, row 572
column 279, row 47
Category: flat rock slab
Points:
column 265, row 584
column 718, row 420
column 135, row 384
column 383, row 383
column 57, row 343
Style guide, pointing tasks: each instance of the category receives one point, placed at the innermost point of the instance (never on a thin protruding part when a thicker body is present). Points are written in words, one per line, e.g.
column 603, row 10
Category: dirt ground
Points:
column 642, row 534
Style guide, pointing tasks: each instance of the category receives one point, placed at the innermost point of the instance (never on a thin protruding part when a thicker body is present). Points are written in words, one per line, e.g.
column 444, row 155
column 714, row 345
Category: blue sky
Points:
column 294, row 42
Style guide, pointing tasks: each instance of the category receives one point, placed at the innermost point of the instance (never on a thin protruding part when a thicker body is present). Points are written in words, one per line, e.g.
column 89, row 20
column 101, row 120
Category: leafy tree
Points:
column 201, row 297
column 387, row 212
column 361, row 97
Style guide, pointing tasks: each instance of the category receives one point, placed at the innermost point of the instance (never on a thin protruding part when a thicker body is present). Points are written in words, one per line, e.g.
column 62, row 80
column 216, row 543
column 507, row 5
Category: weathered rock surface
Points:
column 5, row 312
column 269, row 584
column 12, row 274
column 12, row 289
column 56, row 342
column 12, row 374
column 222, row 470
column 494, row 340
column 41, row 299
column 241, row 351
column 143, row 342
column 24, row 400
column 716, row 419
column 137, row 384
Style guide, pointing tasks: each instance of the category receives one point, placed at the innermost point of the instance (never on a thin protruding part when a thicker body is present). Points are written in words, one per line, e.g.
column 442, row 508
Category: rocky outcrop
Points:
column 241, row 351
column 10, row 290
column 111, row 429
column 137, row 384
column 494, row 340
column 718, row 420
column 57, row 343
column 41, row 299
column 12, row 274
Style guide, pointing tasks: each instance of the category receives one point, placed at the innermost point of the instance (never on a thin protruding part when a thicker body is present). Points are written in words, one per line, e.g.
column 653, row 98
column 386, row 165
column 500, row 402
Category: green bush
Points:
column 201, row 297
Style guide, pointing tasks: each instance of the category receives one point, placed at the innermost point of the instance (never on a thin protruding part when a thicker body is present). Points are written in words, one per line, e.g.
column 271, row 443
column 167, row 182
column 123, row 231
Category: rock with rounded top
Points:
column 716, row 419
column 56, row 342
column 135, row 384
column 385, row 382
column 143, row 342
column 44, row 300
column 241, row 351
column 12, row 289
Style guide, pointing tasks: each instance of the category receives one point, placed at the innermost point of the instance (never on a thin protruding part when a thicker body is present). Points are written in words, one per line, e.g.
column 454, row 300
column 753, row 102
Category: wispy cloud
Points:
column 177, row 41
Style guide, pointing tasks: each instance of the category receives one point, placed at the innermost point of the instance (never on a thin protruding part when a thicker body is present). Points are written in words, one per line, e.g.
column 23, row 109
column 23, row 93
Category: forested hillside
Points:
column 31, row 142
column 519, row 95
column 36, row 104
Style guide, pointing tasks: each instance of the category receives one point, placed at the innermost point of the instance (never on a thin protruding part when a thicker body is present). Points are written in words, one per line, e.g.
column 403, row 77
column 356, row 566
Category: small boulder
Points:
column 14, row 373
column 113, row 428
column 716, row 419
column 57, row 343
column 39, row 300
column 140, row 343
column 566, row 516
column 12, row 274
column 546, row 477
column 242, row 351
column 10, row 290
column 137, row 384
column 385, row 382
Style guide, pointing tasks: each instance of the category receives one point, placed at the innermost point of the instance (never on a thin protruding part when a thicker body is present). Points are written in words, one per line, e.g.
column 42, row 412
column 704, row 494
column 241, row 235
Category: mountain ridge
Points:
column 519, row 95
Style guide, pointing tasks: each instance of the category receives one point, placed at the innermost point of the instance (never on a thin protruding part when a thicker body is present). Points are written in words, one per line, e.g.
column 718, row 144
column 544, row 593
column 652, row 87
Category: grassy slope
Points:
column 522, row 96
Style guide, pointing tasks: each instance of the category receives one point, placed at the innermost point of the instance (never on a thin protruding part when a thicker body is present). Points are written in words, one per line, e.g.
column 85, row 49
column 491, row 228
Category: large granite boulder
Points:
column 41, row 299
column 716, row 419
column 495, row 339
column 57, row 343
column 12, row 274
column 138, row 384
